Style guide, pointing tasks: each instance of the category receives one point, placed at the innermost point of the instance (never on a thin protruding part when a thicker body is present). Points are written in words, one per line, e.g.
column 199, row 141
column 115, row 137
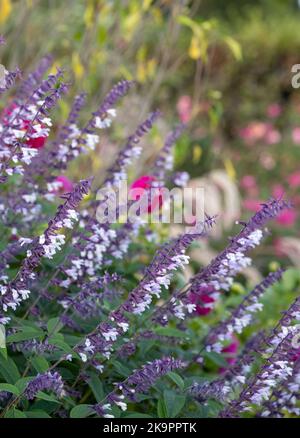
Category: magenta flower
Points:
column 145, row 182
column 287, row 218
column 274, row 110
column 66, row 184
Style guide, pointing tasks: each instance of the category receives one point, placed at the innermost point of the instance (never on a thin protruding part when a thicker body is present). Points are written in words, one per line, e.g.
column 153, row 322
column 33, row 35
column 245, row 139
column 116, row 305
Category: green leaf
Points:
column 15, row 413
column 81, row 411
column 120, row 368
column 54, row 325
column 161, row 409
column 9, row 370
column 22, row 383
column 136, row 415
column 40, row 364
column 216, row 358
column 24, row 334
column 43, row 396
column 9, row 388
column 173, row 402
column 169, row 331
column 59, row 342
column 176, row 379
column 36, row 413
column 96, row 386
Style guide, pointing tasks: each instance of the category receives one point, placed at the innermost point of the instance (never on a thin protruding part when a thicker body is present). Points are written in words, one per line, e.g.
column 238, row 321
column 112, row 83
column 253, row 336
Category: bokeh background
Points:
column 222, row 67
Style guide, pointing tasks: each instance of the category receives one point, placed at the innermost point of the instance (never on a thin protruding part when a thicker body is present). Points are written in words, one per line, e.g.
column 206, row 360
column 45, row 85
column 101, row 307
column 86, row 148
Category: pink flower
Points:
column 230, row 351
column 254, row 132
column 248, row 182
column 66, row 184
column 146, row 182
column 272, row 136
column 287, row 218
column 252, row 204
column 274, row 110
column 296, row 135
column 184, row 108
column 294, row 179
column 206, row 305
column 278, row 191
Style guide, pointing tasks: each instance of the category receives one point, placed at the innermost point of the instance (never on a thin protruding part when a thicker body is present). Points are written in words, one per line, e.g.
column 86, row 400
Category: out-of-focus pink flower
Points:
column 260, row 131
column 274, row 110
column 296, row 135
column 294, row 179
column 230, row 352
column 66, row 184
column 278, row 191
column 253, row 132
column 248, row 182
column 146, row 182
column 272, row 136
column 287, row 218
column 184, row 108
column 252, row 204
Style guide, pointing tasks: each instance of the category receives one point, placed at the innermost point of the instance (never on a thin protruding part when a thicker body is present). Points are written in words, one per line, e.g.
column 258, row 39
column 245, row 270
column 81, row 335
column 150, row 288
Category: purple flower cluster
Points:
column 137, row 383
column 49, row 381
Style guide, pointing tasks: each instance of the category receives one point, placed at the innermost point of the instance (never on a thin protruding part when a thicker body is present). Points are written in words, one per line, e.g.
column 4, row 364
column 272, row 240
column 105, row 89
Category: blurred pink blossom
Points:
column 252, row 204
column 274, row 110
column 278, row 190
column 260, row 131
column 184, row 108
column 296, row 135
column 248, row 182
column 231, row 352
column 294, row 179
column 66, row 184
column 287, row 218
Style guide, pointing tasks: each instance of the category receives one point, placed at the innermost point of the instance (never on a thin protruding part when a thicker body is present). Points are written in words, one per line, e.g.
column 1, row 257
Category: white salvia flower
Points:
column 83, row 357
column 29, row 198
column 111, row 335
column 92, row 140
column 24, row 241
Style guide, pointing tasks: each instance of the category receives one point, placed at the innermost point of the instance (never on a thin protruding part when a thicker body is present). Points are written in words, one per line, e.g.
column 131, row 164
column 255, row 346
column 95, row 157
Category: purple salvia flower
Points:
column 14, row 292
column 34, row 78
column 8, row 78
column 49, row 381
column 242, row 316
column 137, row 383
column 158, row 275
column 277, row 368
column 219, row 274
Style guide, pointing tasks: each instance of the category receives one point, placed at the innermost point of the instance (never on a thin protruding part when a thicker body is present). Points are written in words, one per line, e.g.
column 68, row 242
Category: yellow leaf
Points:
column 77, row 66
column 235, row 48
column 88, row 15
column 141, row 73
column 197, row 153
column 195, row 49
column 146, row 4
column 230, row 170
column 5, row 10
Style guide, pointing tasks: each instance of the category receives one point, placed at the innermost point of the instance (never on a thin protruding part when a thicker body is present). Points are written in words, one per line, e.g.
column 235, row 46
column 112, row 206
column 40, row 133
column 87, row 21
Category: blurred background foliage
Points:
column 224, row 67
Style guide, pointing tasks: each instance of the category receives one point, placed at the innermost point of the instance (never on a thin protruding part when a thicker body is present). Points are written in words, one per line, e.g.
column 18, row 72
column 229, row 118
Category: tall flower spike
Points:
column 277, row 368
column 16, row 291
column 34, row 78
column 137, row 383
column 158, row 275
column 242, row 316
column 50, row 381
